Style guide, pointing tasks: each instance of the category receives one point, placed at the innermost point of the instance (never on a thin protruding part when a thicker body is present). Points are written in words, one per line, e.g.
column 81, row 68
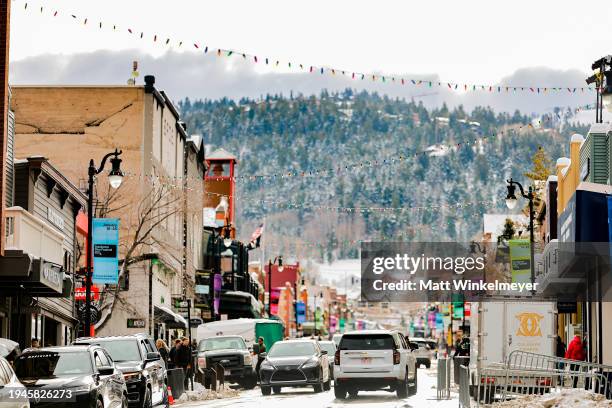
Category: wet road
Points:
column 304, row 397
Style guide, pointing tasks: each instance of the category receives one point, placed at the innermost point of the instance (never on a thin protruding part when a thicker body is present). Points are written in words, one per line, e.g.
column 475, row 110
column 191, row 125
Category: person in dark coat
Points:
column 560, row 348
column 184, row 359
column 172, row 354
column 261, row 348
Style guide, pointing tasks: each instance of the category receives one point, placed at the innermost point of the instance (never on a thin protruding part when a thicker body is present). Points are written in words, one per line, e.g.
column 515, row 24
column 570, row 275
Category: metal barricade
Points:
column 523, row 382
column 459, row 361
column 487, row 384
column 574, row 370
column 443, row 383
column 464, row 387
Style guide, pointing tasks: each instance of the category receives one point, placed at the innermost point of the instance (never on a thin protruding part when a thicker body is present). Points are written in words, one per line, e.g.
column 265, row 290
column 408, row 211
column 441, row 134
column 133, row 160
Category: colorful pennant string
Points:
column 394, row 80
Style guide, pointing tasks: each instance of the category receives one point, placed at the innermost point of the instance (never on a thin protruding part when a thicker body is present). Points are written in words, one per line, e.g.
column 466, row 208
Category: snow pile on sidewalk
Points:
column 572, row 398
column 200, row 394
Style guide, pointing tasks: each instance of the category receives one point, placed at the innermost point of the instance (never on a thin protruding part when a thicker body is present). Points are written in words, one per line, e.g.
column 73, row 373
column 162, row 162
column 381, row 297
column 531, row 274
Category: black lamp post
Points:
column 602, row 78
column 511, row 204
column 115, row 177
column 278, row 259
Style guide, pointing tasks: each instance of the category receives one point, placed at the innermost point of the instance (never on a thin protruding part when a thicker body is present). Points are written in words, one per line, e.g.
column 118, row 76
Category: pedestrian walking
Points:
column 163, row 351
column 184, row 359
column 261, row 348
column 575, row 351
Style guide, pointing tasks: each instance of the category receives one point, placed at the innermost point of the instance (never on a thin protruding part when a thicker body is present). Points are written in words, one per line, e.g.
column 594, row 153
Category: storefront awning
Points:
column 171, row 319
column 38, row 277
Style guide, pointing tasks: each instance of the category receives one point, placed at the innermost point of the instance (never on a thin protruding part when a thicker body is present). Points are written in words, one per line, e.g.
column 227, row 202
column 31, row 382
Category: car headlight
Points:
column 248, row 359
column 132, row 376
column 81, row 389
column 267, row 365
column 310, row 363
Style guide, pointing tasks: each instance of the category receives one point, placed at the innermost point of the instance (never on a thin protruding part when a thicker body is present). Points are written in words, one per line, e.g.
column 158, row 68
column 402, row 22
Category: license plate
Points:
column 228, row 372
column 366, row 360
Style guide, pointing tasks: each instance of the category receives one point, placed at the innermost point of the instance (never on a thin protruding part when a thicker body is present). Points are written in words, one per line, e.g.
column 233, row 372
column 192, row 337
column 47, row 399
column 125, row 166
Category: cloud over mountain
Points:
column 207, row 76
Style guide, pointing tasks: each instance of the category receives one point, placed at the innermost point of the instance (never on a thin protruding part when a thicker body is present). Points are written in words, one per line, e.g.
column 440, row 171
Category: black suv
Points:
column 81, row 376
column 143, row 369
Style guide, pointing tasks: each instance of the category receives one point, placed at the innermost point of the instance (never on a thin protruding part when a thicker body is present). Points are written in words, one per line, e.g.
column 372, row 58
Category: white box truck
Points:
column 499, row 327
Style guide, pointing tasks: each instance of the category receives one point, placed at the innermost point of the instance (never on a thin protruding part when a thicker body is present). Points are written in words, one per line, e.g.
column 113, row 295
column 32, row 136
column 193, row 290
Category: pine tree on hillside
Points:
column 541, row 166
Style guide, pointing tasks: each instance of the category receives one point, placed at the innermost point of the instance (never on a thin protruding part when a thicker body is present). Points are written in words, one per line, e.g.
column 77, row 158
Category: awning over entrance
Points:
column 37, row 276
column 171, row 319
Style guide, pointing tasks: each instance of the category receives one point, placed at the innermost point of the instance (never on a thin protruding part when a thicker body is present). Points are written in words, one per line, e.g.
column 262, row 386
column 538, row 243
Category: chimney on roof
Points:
column 149, row 83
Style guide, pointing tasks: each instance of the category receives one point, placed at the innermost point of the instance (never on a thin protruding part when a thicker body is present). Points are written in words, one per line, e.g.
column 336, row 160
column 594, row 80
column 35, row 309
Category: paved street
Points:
column 302, row 397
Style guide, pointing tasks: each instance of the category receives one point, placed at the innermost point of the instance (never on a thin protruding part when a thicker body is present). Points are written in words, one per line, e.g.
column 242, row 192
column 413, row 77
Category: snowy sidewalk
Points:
column 573, row 398
column 202, row 394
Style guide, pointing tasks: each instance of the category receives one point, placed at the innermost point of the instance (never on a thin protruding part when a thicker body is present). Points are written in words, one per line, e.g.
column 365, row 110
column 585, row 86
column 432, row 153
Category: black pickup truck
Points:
column 232, row 353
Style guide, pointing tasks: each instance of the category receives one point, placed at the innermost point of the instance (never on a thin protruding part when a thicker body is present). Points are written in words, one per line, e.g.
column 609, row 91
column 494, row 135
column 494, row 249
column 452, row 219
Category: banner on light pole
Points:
column 105, row 244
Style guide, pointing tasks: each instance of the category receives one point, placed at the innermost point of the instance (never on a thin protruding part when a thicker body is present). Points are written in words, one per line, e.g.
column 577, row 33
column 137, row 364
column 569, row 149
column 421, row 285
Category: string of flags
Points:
column 345, row 167
column 299, row 244
column 207, row 49
column 289, row 205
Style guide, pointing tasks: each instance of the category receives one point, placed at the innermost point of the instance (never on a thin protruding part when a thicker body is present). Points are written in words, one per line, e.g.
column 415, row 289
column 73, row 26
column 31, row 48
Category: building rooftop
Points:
column 221, row 154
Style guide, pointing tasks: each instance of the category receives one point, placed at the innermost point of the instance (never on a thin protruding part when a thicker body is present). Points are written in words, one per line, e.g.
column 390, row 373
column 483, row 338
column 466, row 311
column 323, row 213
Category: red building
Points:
column 288, row 273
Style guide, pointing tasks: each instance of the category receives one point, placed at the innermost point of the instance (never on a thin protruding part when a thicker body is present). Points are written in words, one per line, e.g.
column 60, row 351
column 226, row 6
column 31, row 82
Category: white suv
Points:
column 371, row 360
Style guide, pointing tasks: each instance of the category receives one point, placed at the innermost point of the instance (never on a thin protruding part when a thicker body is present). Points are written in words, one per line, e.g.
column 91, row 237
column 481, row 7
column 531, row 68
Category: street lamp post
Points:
column 511, row 203
column 115, row 177
column 278, row 259
column 314, row 315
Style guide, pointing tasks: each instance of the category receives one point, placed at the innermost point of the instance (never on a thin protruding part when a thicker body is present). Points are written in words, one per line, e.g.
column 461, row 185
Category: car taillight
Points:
column 337, row 357
column 396, row 357
column 202, row 362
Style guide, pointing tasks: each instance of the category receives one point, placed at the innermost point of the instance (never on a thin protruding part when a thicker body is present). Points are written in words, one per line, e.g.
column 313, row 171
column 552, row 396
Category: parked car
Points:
column 330, row 347
column 232, row 353
column 144, row 371
column 80, row 376
column 336, row 338
column 295, row 363
column 372, row 360
column 423, row 353
column 11, row 390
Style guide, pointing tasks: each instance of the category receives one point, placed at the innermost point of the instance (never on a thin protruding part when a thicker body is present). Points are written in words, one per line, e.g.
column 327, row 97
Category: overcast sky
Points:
column 478, row 41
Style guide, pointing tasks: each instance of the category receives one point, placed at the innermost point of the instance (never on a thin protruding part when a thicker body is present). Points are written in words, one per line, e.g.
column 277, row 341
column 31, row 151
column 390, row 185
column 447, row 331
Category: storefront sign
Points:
column 106, row 250
column 520, row 260
column 136, row 323
column 567, row 307
column 55, row 218
column 79, row 293
column 300, row 308
column 52, row 276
